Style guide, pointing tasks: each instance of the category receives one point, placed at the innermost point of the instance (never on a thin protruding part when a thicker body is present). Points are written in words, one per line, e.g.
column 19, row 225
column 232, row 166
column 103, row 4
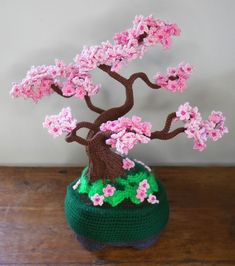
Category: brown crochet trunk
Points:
column 103, row 162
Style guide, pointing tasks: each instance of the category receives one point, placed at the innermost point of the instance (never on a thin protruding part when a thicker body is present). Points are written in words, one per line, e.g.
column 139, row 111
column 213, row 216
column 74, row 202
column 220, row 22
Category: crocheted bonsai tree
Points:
column 111, row 176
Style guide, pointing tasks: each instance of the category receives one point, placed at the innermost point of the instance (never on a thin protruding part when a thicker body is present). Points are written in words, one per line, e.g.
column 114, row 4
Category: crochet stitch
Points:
column 135, row 182
column 111, row 128
column 117, row 200
column 120, row 224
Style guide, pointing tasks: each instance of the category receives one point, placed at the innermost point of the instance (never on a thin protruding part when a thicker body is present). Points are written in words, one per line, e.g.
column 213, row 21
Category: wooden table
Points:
column 201, row 230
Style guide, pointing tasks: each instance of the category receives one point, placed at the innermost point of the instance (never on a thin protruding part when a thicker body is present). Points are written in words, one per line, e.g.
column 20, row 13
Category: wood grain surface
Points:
column 201, row 230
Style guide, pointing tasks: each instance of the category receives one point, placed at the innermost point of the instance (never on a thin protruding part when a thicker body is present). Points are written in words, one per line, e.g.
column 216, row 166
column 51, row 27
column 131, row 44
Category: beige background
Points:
column 36, row 32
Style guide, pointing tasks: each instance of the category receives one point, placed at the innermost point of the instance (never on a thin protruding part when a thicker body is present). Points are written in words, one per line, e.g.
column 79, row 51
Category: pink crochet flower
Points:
column 109, row 191
column 183, row 112
column 144, row 185
column 141, row 194
column 127, row 164
column 215, row 117
column 215, row 134
column 152, row 199
column 97, row 199
column 68, row 89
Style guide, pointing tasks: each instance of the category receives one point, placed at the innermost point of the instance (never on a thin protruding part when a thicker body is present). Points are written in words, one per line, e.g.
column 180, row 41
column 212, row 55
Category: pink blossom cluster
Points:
column 176, row 77
column 35, row 85
column 127, row 164
column 127, row 133
column 142, row 192
column 79, row 83
column 99, row 199
column 38, row 82
column 128, row 45
column 61, row 123
column 75, row 79
column 201, row 130
column 148, row 32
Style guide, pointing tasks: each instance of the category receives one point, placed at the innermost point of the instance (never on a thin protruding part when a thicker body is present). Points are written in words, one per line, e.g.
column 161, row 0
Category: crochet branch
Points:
column 112, row 135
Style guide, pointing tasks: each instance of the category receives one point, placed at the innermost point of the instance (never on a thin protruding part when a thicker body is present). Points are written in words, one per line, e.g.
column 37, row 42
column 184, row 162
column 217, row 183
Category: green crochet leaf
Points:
column 84, row 186
column 117, row 198
column 126, row 187
column 121, row 181
column 153, row 183
column 96, row 187
column 134, row 199
column 130, row 191
column 137, row 177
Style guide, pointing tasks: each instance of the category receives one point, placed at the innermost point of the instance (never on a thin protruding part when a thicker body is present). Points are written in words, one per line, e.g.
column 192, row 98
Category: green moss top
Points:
column 137, row 185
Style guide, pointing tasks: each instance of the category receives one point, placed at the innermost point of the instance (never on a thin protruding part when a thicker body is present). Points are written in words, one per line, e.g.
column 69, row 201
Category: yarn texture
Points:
column 124, row 187
column 125, row 223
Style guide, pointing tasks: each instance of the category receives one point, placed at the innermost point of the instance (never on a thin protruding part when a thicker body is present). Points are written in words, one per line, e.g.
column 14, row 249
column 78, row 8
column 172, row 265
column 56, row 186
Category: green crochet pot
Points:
column 127, row 224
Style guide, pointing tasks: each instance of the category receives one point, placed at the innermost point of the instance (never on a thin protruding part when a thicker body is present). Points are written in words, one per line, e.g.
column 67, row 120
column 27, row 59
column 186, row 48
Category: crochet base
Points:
column 136, row 225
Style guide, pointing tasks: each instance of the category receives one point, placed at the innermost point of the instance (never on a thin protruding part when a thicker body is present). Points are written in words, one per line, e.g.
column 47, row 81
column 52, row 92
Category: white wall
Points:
column 35, row 32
